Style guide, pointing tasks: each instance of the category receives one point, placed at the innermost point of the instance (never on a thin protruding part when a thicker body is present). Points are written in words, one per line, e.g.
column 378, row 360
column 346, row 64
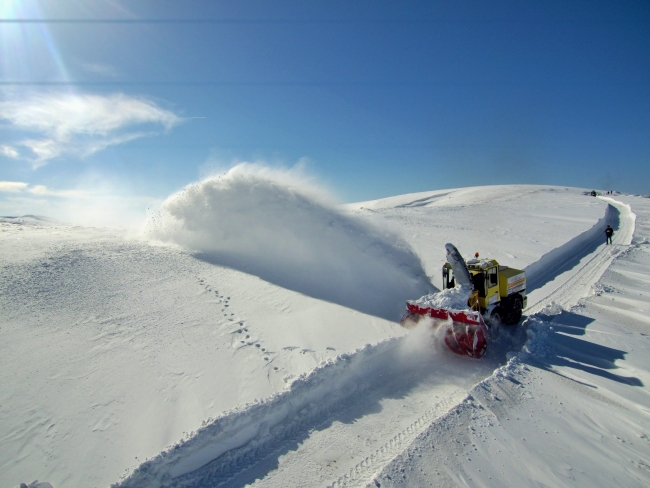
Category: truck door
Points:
column 491, row 285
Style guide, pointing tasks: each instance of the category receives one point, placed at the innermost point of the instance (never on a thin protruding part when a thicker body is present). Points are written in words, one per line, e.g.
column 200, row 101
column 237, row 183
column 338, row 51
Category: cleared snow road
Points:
column 346, row 420
column 585, row 269
column 568, row 410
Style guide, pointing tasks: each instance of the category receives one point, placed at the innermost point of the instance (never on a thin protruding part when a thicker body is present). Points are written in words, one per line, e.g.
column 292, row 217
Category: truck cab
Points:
column 501, row 290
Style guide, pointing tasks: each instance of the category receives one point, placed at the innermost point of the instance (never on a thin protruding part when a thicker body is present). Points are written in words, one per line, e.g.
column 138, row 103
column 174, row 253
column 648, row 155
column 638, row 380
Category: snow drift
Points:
column 226, row 445
column 277, row 226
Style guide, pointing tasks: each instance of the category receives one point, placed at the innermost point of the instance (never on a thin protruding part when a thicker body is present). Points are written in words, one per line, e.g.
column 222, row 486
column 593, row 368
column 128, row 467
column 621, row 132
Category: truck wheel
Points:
column 511, row 309
column 517, row 308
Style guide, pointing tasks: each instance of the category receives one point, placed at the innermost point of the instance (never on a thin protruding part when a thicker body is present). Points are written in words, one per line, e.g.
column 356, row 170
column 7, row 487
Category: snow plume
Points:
column 277, row 225
column 425, row 339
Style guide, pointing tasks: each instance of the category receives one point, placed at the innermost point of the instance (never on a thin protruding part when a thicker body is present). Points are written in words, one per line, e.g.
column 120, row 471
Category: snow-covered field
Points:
column 250, row 336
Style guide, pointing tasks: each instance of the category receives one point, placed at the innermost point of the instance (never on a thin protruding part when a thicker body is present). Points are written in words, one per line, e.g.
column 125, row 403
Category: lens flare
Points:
column 29, row 53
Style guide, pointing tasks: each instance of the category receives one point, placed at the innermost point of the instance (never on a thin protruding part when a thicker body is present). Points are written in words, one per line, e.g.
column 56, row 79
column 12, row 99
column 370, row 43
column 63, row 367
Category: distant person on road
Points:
column 609, row 232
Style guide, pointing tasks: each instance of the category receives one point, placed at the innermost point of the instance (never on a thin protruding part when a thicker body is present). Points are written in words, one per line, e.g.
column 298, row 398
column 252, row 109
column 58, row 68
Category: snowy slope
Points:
column 513, row 224
column 114, row 348
column 283, row 452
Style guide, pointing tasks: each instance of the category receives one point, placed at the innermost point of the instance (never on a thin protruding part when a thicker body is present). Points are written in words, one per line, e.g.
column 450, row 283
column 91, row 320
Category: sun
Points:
column 29, row 51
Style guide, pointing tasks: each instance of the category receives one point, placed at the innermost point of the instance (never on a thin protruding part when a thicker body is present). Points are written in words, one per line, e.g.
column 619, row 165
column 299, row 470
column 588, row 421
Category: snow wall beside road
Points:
column 569, row 254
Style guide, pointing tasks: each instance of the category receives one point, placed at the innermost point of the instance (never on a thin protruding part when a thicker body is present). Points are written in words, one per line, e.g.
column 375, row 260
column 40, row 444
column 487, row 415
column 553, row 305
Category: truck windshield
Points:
column 479, row 283
column 448, row 280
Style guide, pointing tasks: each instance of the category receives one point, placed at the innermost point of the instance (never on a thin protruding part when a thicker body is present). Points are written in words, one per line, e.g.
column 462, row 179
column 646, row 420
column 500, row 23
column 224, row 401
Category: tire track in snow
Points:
column 246, row 445
column 364, row 471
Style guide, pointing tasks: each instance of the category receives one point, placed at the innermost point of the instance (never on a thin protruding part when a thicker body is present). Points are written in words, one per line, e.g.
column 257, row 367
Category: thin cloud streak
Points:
column 9, row 152
column 100, row 69
column 42, row 190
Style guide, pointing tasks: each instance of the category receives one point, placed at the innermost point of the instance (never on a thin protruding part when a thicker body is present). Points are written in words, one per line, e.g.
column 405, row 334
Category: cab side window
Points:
column 492, row 277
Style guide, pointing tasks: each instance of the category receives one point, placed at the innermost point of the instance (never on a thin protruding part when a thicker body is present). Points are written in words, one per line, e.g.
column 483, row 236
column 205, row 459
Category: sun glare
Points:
column 29, row 52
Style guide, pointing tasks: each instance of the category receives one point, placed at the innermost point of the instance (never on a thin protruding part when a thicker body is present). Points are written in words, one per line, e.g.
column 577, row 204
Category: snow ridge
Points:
column 237, row 438
column 579, row 284
column 35, row 220
column 546, row 268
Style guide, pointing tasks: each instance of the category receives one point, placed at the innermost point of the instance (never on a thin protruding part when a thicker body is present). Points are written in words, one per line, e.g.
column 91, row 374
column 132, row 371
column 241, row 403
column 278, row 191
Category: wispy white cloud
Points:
column 100, row 69
column 12, row 186
column 79, row 125
column 42, row 190
column 9, row 151
column 43, row 150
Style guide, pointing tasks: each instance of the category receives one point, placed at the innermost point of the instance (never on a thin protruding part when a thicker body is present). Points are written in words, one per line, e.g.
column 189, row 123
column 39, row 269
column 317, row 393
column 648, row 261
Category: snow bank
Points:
column 237, row 438
column 277, row 226
column 538, row 328
column 36, row 484
column 564, row 257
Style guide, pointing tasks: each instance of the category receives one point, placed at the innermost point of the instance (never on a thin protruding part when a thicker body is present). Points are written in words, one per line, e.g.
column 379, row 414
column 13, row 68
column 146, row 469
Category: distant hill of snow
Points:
column 30, row 220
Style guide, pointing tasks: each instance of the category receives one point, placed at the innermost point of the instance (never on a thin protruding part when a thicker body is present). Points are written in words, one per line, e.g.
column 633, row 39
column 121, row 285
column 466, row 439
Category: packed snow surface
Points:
column 514, row 224
column 198, row 363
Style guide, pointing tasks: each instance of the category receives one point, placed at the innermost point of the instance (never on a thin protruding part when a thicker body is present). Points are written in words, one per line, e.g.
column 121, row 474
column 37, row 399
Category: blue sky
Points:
column 132, row 100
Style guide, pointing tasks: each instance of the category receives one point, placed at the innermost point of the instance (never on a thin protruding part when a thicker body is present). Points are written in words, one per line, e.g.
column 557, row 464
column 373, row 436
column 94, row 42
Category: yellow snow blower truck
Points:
column 501, row 289
column 473, row 292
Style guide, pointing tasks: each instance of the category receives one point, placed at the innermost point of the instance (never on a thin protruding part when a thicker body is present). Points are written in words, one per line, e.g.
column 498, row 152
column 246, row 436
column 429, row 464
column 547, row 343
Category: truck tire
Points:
column 512, row 307
column 517, row 309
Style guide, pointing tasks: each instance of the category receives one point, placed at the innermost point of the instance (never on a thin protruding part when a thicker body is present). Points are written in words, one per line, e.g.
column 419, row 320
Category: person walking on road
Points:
column 609, row 232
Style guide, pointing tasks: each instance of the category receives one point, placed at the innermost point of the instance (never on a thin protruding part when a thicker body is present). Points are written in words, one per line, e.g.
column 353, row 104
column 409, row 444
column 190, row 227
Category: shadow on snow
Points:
column 567, row 349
